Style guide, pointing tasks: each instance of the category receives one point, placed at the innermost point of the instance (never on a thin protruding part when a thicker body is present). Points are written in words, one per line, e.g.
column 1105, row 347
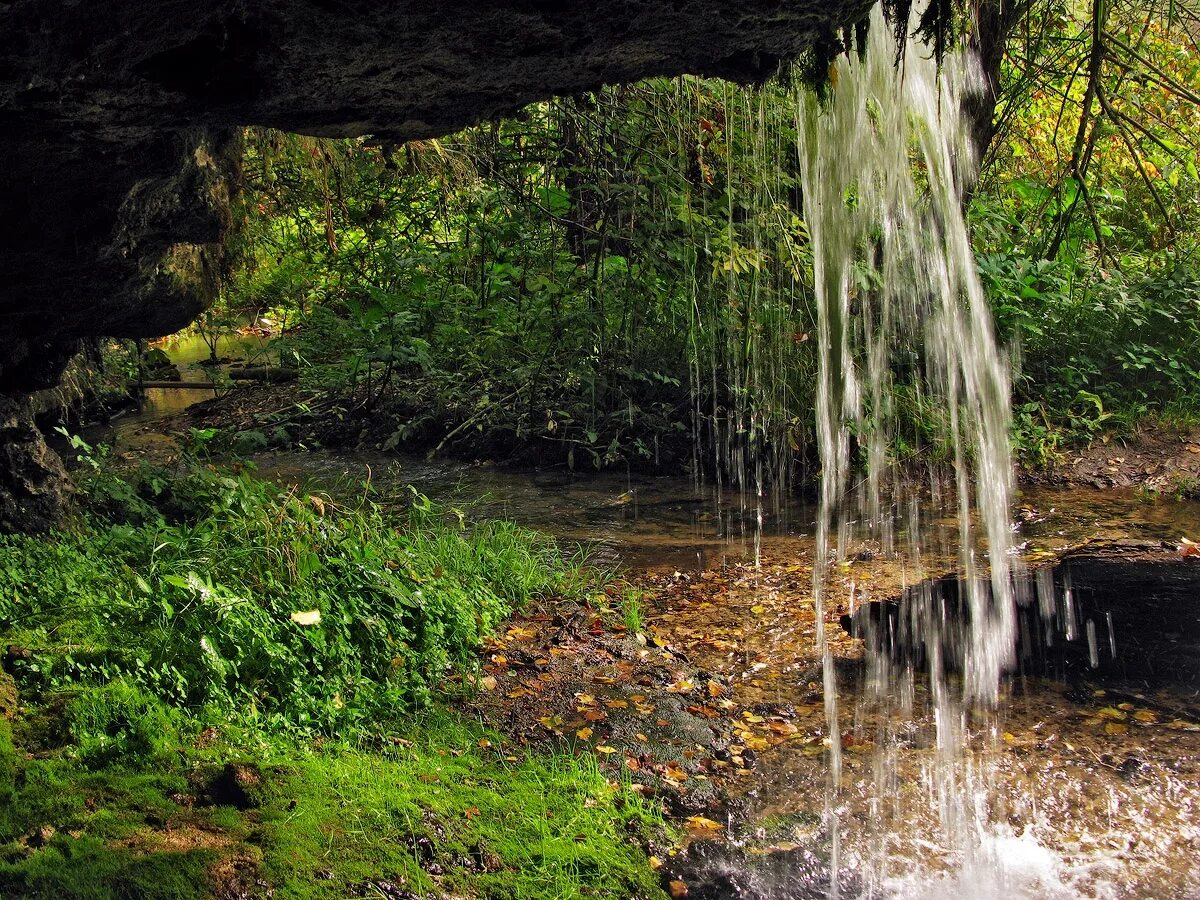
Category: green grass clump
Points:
column 217, row 590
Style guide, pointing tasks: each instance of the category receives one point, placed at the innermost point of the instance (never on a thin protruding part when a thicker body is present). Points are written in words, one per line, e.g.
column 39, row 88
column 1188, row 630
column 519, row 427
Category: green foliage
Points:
column 218, row 590
column 8, row 763
column 1086, row 221
column 327, row 821
column 593, row 282
column 543, row 827
column 117, row 722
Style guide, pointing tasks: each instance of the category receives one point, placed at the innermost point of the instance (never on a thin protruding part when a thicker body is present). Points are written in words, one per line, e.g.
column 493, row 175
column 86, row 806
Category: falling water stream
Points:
column 885, row 162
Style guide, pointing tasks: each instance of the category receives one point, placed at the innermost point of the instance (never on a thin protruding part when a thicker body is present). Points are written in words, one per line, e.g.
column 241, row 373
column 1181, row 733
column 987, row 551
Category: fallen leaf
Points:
column 488, row 682
column 678, row 888
column 702, row 823
column 307, row 617
column 584, row 734
column 605, row 749
column 682, row 686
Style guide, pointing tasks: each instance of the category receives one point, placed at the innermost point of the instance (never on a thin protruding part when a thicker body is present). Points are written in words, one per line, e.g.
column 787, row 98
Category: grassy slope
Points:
column 156, row 647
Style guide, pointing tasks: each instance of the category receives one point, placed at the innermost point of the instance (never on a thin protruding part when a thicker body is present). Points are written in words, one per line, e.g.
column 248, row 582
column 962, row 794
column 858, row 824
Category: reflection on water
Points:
column 649, row 522
column 188, row 351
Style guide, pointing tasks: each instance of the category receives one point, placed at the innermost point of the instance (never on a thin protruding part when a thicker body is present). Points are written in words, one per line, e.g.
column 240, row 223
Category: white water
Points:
column 885, row 161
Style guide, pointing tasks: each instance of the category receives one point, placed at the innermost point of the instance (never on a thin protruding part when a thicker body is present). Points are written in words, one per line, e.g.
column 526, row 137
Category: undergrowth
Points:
column 229, row 688
column 218, row 591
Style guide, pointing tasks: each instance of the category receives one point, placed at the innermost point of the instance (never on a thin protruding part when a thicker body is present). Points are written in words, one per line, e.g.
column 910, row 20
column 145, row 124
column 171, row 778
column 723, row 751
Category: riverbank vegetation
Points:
column 224, row 680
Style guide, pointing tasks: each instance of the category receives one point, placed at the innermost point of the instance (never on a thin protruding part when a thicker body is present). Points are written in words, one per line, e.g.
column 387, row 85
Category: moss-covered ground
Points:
column 216, row 688
column 442, row 808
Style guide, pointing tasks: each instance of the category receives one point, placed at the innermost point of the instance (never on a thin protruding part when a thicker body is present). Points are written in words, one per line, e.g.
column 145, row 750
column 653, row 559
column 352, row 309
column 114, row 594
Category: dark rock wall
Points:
column 119, row 121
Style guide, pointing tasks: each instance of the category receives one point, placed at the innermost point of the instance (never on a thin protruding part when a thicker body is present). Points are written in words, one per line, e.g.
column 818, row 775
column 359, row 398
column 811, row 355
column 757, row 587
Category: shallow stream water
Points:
column 1094, row 775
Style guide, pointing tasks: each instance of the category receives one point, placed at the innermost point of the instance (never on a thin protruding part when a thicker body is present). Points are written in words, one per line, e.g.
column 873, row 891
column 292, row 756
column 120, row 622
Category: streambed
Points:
column 710, row 696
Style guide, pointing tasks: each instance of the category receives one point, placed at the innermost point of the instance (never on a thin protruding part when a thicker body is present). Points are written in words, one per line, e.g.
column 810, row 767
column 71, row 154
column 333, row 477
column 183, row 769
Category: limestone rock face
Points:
column 120, row 121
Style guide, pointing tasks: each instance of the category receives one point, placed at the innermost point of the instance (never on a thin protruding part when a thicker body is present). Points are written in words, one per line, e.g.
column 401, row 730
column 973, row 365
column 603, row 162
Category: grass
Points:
column 217, row 591
column 211, row 630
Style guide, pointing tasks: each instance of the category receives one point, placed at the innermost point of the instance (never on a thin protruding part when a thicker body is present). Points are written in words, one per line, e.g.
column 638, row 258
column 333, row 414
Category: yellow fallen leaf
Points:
column 488, row 682
column 703, row 823
column 1145, row 715
column 584, row 734
column 1115, row 728
column 605, row 749
column 306, row 617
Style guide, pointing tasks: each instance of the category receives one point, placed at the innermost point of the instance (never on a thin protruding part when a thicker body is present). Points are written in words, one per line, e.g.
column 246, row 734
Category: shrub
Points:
column 272, row 604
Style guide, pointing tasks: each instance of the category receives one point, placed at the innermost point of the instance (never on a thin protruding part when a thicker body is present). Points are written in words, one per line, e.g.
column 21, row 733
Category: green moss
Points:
column 8, row 763
column 447, row 807
column 70, row 868
column 537, row 827
column 119, row 722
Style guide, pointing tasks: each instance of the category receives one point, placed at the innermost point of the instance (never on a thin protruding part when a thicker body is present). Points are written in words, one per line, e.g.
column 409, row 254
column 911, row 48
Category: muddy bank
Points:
column 1162, row 459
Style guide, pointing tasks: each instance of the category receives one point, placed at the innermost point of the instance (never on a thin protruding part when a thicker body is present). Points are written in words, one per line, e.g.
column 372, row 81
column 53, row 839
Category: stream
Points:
column 714, row 699
column 1097, row 775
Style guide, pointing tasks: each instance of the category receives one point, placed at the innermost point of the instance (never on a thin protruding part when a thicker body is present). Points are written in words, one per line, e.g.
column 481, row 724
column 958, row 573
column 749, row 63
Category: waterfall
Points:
column 885, row 159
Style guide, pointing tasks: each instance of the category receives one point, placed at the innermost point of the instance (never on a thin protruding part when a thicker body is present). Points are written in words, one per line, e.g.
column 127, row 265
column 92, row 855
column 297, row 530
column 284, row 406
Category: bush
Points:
column 274, row 605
